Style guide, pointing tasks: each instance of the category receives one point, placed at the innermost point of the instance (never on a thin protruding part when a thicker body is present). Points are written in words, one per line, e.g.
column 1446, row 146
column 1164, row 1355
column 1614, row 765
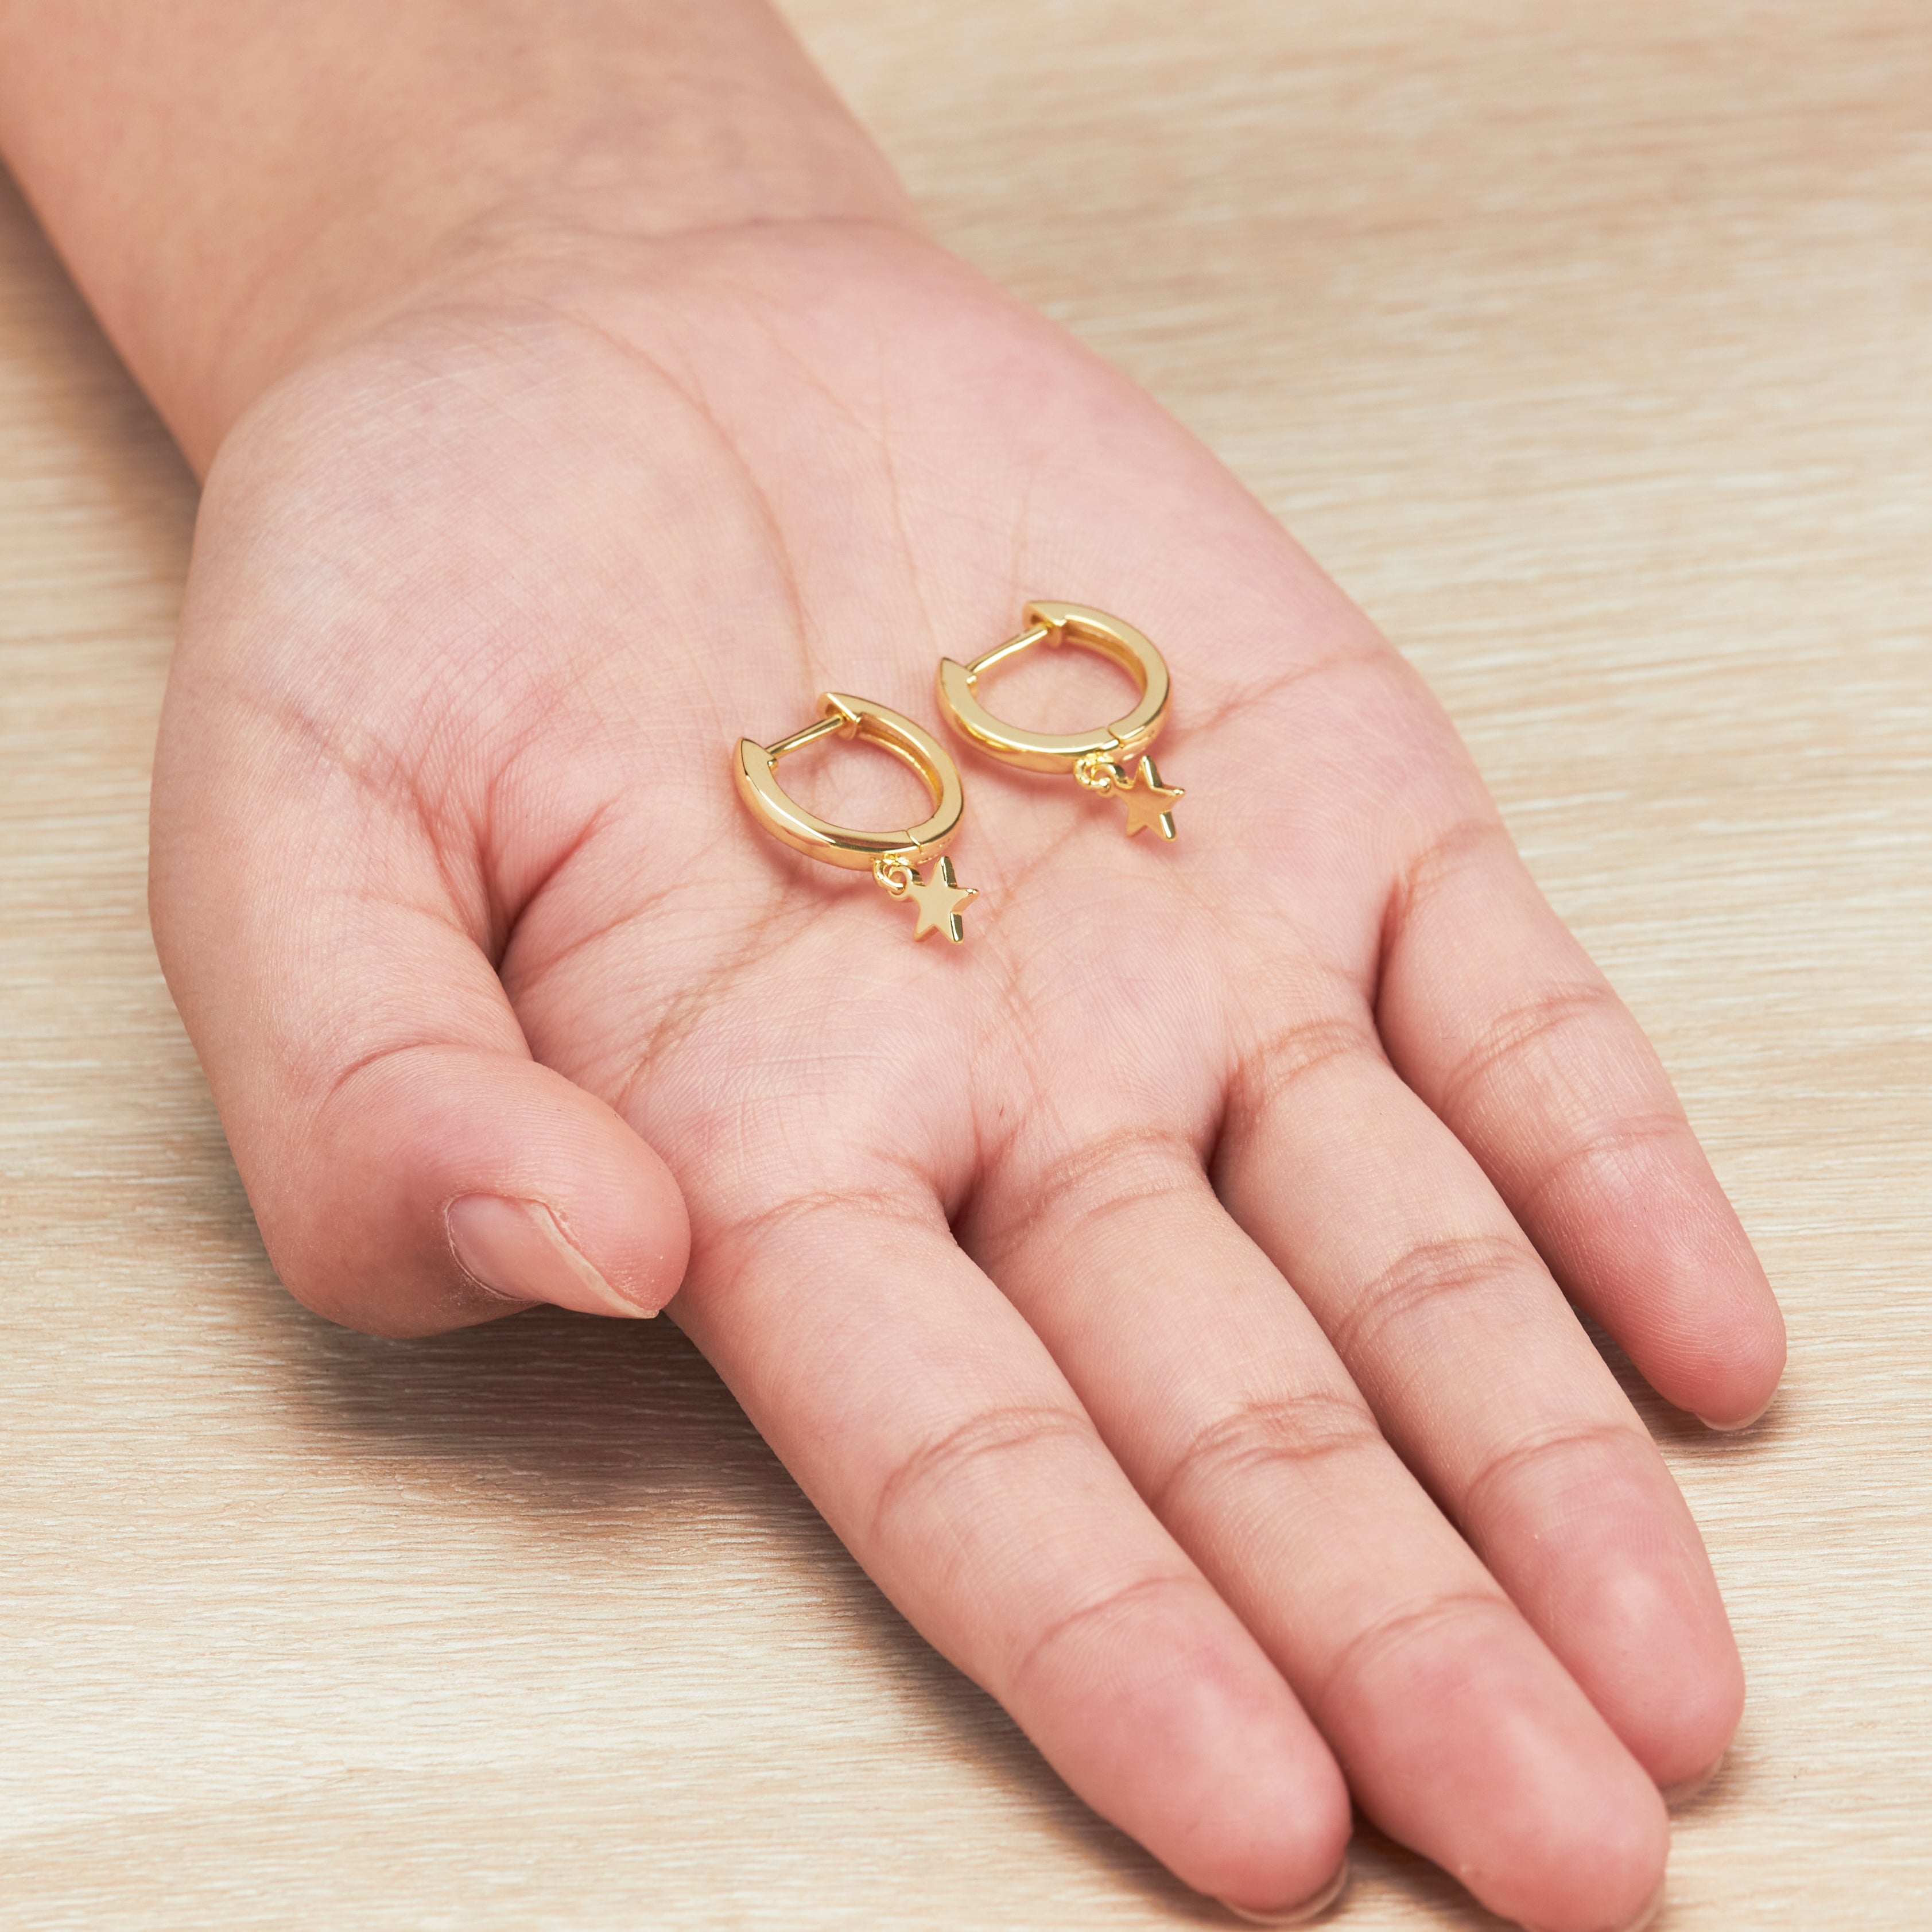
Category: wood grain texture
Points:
column 1592, row 350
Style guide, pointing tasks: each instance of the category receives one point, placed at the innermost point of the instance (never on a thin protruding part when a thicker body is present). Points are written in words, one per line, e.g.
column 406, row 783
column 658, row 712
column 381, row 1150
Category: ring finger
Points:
column 1460, row 1733
column 1484, row 1381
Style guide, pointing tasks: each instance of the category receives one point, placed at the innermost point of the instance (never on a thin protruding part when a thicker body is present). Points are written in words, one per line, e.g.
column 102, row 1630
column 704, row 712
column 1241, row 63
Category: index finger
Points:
column 937, row 1435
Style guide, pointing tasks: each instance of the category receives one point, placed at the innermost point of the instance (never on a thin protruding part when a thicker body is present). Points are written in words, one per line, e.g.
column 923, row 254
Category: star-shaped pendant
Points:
column 940, row 899
column 1149, row 802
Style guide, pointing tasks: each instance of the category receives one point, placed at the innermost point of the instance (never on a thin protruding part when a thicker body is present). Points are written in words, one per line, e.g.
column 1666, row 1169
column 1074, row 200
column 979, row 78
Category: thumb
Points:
column 412, row 1168
column 444, row 1182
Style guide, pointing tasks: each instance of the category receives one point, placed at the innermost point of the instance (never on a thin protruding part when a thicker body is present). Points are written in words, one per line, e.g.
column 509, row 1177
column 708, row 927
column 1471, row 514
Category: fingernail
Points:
column 516, row 1248
column 1652, row 1906
column 1733, row 1428
column 1298, row 1914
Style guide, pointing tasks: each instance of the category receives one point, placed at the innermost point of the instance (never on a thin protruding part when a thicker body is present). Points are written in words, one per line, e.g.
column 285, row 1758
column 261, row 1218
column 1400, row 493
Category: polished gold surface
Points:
column 1150, row 803
column 894, row 859
column 1589, row 348
column 939, row 900
column 1103, row 760
column 754, row 766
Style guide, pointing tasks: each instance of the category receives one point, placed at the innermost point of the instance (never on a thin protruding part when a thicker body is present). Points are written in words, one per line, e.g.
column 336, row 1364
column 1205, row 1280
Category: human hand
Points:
column 1155, row 1292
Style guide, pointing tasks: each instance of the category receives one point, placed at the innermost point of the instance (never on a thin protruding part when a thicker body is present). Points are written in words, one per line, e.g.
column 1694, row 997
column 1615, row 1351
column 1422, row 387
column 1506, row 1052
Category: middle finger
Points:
column 1213, row 1385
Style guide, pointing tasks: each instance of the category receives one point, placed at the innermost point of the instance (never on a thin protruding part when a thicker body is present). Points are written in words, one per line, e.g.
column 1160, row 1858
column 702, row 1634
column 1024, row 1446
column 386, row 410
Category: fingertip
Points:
column 1692, row 1308
column 1648, row 1912
column 1302, row 1912
column 1600, row 1549
column 1611, row 1880
column 1270, row 1813
column 1282, row 1857
column 1485, row 1757
column 1720, row 1426
column 1645, row 1915
column 1209, row 1760
column 1686, row 1789
column 1677, row 1713
column 1742, row 1387
column 1681, row 1729
column 1271, row 1821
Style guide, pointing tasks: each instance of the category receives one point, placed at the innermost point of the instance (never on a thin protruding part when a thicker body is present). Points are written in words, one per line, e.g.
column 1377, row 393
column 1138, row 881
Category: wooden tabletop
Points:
column 1592, row 349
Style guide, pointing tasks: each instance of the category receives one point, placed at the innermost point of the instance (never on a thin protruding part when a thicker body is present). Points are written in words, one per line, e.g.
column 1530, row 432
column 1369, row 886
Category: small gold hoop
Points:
column 856, row 851
column 1120, row 742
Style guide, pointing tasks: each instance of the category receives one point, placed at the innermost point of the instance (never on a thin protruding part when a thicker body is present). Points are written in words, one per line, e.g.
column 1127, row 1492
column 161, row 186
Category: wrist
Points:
column 603, row 218
column 237, row 190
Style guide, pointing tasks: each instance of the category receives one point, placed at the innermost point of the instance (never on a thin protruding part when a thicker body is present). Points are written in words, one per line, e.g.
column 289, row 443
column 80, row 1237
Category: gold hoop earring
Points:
column 894, row 859
column 1111, row 760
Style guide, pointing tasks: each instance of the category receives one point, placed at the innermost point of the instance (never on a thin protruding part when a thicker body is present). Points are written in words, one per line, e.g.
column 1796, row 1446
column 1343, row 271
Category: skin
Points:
column 1163, row 1294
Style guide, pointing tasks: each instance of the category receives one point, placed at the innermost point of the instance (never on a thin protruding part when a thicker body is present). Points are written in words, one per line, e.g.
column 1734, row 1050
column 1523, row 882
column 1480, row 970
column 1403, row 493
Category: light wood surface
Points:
column 1592, row 348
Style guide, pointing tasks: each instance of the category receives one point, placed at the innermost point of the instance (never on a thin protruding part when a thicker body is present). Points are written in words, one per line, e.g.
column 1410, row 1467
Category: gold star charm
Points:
column 940, row 900
column 1149, row 802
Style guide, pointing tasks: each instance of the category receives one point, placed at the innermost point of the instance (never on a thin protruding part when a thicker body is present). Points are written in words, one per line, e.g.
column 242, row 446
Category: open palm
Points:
column 1163, row 1293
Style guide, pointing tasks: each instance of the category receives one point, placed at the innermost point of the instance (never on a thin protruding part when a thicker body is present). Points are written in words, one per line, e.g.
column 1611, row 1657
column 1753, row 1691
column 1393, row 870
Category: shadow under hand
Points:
column 577, row 1441
column 103, row 445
